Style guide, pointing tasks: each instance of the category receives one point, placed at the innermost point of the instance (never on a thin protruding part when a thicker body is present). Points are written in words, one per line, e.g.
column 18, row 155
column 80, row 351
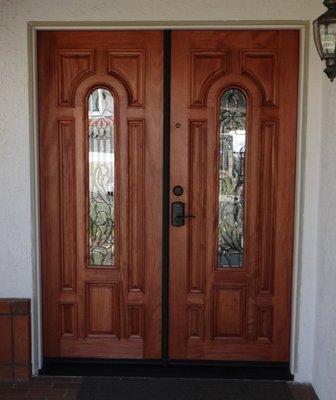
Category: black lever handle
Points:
column 187, row 216
column 178, row 216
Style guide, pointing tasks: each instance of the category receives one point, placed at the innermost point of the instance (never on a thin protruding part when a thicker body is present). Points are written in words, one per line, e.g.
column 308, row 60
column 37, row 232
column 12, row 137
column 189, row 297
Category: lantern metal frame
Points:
column 326, row 19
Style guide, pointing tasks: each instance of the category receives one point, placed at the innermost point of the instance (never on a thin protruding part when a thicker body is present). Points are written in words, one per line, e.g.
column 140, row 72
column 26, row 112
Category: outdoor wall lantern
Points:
column 325, row 38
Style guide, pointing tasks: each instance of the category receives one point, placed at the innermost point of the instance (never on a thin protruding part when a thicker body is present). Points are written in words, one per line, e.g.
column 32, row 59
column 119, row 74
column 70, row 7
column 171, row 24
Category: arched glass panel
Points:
column 101, row 178
column 232, row 138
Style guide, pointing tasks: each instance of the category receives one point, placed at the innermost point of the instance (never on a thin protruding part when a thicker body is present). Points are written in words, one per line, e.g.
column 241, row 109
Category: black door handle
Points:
column 178, row 214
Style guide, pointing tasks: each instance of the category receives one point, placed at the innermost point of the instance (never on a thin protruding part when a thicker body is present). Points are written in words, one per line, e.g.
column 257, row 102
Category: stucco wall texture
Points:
column 324, row 363
column 318, row 274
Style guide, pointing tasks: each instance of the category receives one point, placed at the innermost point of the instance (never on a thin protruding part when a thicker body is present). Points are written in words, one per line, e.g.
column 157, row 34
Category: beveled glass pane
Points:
column 232, row 137
column 101, row 178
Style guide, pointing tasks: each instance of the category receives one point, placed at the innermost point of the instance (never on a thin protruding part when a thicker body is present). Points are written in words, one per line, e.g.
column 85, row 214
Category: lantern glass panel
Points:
column 328, row 39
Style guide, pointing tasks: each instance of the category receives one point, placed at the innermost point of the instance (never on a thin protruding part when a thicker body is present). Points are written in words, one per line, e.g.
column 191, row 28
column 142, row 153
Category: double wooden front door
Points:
column 232, row 172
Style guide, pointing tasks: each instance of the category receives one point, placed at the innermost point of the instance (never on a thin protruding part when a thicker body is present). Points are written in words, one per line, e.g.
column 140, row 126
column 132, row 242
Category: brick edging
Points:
column 15, row 339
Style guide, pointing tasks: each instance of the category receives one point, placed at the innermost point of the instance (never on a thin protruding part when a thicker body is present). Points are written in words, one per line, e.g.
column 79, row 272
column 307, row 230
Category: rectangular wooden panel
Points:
column 196, row 322
column 67, row 161
column 230, row 319
column 267, row 201
column 102, row 309
column 136, row 163
column 68, row 320
column 264, row 323
column 135, row 322
column 197, row 204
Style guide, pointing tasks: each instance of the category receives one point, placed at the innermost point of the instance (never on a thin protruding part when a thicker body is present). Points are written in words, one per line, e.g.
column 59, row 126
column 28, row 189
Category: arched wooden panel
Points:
column 205, row 68
column 73, row 66
column 263, row 67
column 129, row 66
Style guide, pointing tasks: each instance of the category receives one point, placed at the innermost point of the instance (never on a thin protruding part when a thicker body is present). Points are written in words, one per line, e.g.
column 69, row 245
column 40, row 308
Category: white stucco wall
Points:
column 16, row 251
column 324, row 371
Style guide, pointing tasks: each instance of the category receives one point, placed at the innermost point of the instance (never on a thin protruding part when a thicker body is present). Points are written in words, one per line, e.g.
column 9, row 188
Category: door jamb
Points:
column 34, row 26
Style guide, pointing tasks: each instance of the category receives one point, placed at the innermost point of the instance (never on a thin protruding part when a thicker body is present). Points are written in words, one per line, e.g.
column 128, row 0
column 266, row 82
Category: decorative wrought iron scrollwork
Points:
column 101, row 178
column 231, row 179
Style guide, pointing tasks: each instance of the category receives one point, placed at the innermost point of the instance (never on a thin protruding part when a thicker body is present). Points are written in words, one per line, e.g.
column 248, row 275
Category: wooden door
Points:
column 233, row 146
column 100, row 127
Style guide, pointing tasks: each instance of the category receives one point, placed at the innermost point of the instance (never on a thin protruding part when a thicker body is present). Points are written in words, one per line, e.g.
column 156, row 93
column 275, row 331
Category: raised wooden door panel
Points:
column 230, row 285
column 101, row 275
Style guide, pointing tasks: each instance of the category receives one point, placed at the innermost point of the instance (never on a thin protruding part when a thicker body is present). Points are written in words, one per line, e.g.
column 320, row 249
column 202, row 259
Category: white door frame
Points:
column 33, row 27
